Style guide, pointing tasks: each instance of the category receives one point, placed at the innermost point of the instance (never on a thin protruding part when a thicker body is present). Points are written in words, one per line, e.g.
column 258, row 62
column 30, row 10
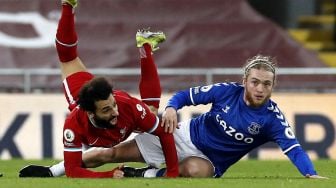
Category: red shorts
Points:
column 72, row 85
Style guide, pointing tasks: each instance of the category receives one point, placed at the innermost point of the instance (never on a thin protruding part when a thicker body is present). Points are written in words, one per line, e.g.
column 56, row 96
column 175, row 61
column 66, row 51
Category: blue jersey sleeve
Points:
column 302, row 161
column 280, row 131
column 180, row 99
column 282, row 134
column 199, row 95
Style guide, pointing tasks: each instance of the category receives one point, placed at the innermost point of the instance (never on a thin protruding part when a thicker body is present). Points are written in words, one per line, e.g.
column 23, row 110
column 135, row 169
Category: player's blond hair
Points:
column 267, row 63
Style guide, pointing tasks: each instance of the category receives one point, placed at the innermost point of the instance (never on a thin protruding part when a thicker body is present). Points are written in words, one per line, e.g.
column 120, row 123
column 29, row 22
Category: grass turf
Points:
column 247, row 173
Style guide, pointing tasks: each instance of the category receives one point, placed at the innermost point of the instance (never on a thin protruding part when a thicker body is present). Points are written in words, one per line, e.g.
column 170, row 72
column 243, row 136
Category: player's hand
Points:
column 117, row 172
column 315, row 176
column 169, row 120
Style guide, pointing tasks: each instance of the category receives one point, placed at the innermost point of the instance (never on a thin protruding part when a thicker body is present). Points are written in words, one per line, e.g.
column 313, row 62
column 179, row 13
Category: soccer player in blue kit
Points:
column 242, row 117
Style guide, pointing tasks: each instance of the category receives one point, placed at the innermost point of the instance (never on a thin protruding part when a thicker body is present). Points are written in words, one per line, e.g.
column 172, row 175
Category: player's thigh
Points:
column 124, row 152
column 95, row 156
column 71, row 67
column 127, row 151
column 72, row 86
column 196, row 167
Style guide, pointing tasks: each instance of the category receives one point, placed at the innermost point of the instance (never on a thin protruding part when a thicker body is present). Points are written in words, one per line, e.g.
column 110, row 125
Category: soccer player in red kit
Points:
column 101, row 116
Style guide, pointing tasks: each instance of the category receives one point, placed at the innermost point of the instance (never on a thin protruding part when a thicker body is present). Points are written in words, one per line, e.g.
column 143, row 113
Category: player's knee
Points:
column 196, row 168
column 190, row 169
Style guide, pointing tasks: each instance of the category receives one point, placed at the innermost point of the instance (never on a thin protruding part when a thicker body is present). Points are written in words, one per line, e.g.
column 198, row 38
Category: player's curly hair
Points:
column 259, row 61
column 94, row 90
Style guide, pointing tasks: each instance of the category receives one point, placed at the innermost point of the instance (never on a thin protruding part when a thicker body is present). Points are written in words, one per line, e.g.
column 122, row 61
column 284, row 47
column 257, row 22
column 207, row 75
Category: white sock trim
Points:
column 58, row 169
column 66, row 45
column 151, row 173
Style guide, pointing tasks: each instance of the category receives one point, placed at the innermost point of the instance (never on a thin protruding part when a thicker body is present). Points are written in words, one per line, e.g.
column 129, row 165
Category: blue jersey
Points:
column 231, row 128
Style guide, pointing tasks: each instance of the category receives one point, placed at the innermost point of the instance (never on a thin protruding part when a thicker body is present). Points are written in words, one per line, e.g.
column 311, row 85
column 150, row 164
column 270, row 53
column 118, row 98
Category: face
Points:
column 258, row 87
column 106, row 114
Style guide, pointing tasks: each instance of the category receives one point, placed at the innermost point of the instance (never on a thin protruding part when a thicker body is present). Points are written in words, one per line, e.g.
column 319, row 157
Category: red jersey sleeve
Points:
column 74, row 169
column 149, row 122
column 73, row 139
column 169, row 151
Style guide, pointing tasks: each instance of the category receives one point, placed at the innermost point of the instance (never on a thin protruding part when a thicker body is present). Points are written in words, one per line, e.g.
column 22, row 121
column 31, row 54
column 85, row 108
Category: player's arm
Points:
column 169, row 116
column 74, row 168
column 192, row 96
column 283, row 135
column 149, row 122
column 302, row 161
column 73, row 163
column 199, row 95
column 169, row 151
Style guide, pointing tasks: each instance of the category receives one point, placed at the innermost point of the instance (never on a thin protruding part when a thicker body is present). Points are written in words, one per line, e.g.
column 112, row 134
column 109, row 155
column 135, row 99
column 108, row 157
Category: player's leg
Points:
column 149, row 86
column 193, row 163
column 74, row 73
column 66, row 40
column 59, row 170
column 192, row 166
column 124, row 152
column 196, row 167
column 94, row 157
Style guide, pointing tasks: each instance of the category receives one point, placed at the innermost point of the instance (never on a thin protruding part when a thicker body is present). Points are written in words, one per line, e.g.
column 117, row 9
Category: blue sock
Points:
column 161, row 172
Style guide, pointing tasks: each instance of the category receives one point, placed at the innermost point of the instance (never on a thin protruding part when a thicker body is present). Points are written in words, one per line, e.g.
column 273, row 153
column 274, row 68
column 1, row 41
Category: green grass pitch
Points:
column 246, row 173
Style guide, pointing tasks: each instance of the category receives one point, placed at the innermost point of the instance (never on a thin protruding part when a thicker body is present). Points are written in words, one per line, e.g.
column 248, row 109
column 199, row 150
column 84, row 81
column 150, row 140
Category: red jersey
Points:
column 134, row 115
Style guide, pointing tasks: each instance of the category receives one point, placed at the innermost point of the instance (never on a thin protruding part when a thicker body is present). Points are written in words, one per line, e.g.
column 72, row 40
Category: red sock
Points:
column 66, row 36
column 150, row 88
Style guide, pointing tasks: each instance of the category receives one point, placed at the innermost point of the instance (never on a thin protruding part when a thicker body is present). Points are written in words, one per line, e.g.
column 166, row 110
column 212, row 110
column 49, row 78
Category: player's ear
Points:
column 244, row 81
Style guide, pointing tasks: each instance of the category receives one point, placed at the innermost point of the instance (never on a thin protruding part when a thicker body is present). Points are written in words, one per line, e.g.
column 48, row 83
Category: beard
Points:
column 255, row 103
column 102, row 123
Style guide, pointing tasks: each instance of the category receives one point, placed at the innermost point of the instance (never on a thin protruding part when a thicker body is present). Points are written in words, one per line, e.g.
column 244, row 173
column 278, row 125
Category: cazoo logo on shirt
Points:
column 232, row 131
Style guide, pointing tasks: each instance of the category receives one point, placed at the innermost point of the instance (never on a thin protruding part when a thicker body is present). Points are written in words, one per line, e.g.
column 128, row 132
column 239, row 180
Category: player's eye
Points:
column 106, row 110
column 267, row 84
column 255, row 82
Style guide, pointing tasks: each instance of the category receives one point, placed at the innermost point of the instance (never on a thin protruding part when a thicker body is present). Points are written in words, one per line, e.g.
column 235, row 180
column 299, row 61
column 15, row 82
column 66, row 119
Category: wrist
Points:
column 172, row 107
